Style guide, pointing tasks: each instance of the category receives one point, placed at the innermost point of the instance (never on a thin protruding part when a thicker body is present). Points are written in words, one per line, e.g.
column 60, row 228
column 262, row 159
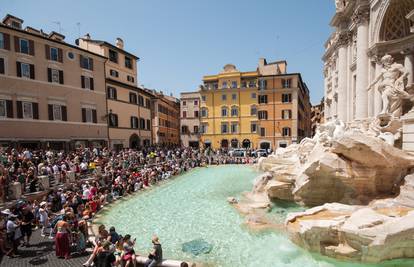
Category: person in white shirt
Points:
column 43, row 218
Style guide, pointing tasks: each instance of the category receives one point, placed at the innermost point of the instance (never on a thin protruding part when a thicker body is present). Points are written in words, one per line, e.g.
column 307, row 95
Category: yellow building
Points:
column 265, row 108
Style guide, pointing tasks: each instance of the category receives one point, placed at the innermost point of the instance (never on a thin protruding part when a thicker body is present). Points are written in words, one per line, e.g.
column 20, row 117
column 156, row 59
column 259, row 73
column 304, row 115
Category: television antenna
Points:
column 59, row 25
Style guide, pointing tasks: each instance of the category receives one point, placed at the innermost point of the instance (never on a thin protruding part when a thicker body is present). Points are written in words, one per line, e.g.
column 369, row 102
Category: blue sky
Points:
column 179, row 41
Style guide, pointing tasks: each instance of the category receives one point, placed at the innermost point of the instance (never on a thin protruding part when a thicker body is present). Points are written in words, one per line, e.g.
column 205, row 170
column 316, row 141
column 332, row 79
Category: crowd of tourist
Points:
column 100, row 177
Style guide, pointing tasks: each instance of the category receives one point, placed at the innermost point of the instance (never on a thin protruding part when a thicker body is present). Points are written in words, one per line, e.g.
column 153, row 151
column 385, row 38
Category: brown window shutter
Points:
column 81, row 61
column 94, row 116
column 31, row 48
column 61, row 77
column 19, row 109
column 1, row 65
column 132, row 122
column 49, row 75
column 64, row 113
column 32, row 72
column 50, row 111
column 83, row 81
column 9, row 107
column 6, row 38
column 83, row 115
column 35, row 111
column 16, row 44
column 91, row 83
column 18, row 69
column 47, row 51
column 91, row 63
column 60, row 55
column 115, row 94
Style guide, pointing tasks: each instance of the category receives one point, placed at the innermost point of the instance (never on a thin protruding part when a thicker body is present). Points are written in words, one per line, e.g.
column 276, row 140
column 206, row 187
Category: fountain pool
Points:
column 194, row 206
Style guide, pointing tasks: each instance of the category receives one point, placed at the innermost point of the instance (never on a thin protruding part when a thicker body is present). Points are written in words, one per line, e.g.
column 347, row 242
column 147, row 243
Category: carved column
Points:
column 361, row 17
column 409, row 64
column 342, row 46
column 377, row 94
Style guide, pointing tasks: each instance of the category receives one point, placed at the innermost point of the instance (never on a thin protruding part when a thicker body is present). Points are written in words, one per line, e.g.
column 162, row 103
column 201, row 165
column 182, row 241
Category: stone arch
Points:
column 394, row 24
column 234, row 143
column 134, row 141
column 264, row 144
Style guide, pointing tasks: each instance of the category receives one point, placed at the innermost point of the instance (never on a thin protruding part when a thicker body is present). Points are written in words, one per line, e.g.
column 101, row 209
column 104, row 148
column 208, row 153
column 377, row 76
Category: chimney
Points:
column 87, row 36
column 262, row 62
column 119, row 43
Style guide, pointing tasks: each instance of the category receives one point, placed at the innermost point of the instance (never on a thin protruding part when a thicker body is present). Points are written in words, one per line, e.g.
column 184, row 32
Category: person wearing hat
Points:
column 155, row 256
column 13, row 232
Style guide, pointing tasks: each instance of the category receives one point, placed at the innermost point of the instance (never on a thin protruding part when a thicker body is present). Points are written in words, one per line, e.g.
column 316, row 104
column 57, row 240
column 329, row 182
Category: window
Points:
column 148, row 125
column 113, row 56
column 204, row 112
column 224, row 128
column 203, row 98
column 195, row 102
column 184, row 129
column 224, row 85
column 233, row 84
column 243, row 84
column 262, row 131
column 86, row 62
column 224, row 112
column 184, row 114
column 223, row 97
column 234, row 96
column 57, row 112
column 128, row 62
column 196, row 114
column 24, row 46
column 87, row 82
column 2, row 66
column 286, row 98
column 184, row 103
column 71, row 55
column 141, row 100
column 25, row 70
column 111, row 92
column 253, row 110
column 234, row 127
column 133, row 98
column 113, row 120
column 195, row 129
column 253, row 127
column 204, row 128
column 55, row 76
column 142, row 124
column 286, row 83
column 3, row 109
column 262, row 115
column 113, row 73
column 286, row 131
column 54, row 54
column 262, row 99
column 130, row 78
column 286, row 114
column 134, row 122
column 147, row 103
column 2, row 43
column 234, row 111
column 253, row 95
column 89, row 116
column 252, row 83
column 262, row 84
column 27, row 110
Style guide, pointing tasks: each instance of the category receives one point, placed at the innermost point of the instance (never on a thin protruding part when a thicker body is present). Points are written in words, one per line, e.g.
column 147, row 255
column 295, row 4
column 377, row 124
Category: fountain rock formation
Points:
column 381, row 231
column 360, row 179
column 351, row 164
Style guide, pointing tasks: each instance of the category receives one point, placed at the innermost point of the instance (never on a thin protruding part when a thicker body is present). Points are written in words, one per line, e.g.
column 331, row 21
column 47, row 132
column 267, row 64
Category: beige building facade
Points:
column 52, row 94
column 190, row 119
column 128, row 106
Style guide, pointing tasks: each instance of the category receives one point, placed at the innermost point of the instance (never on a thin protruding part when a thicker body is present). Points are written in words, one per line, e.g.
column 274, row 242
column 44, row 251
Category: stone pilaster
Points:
column 342, row 46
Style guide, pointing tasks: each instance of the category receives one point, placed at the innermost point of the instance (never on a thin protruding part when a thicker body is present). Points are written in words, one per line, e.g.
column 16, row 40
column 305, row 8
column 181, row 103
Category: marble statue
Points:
column 340, row 5
column 391, row 84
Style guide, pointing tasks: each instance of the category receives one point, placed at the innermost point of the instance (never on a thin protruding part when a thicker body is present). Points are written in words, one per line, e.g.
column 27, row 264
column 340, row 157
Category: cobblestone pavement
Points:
column 40, row 253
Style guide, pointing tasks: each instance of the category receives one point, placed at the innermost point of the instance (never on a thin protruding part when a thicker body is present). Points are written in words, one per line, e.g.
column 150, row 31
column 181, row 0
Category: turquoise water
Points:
column 194, row 206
